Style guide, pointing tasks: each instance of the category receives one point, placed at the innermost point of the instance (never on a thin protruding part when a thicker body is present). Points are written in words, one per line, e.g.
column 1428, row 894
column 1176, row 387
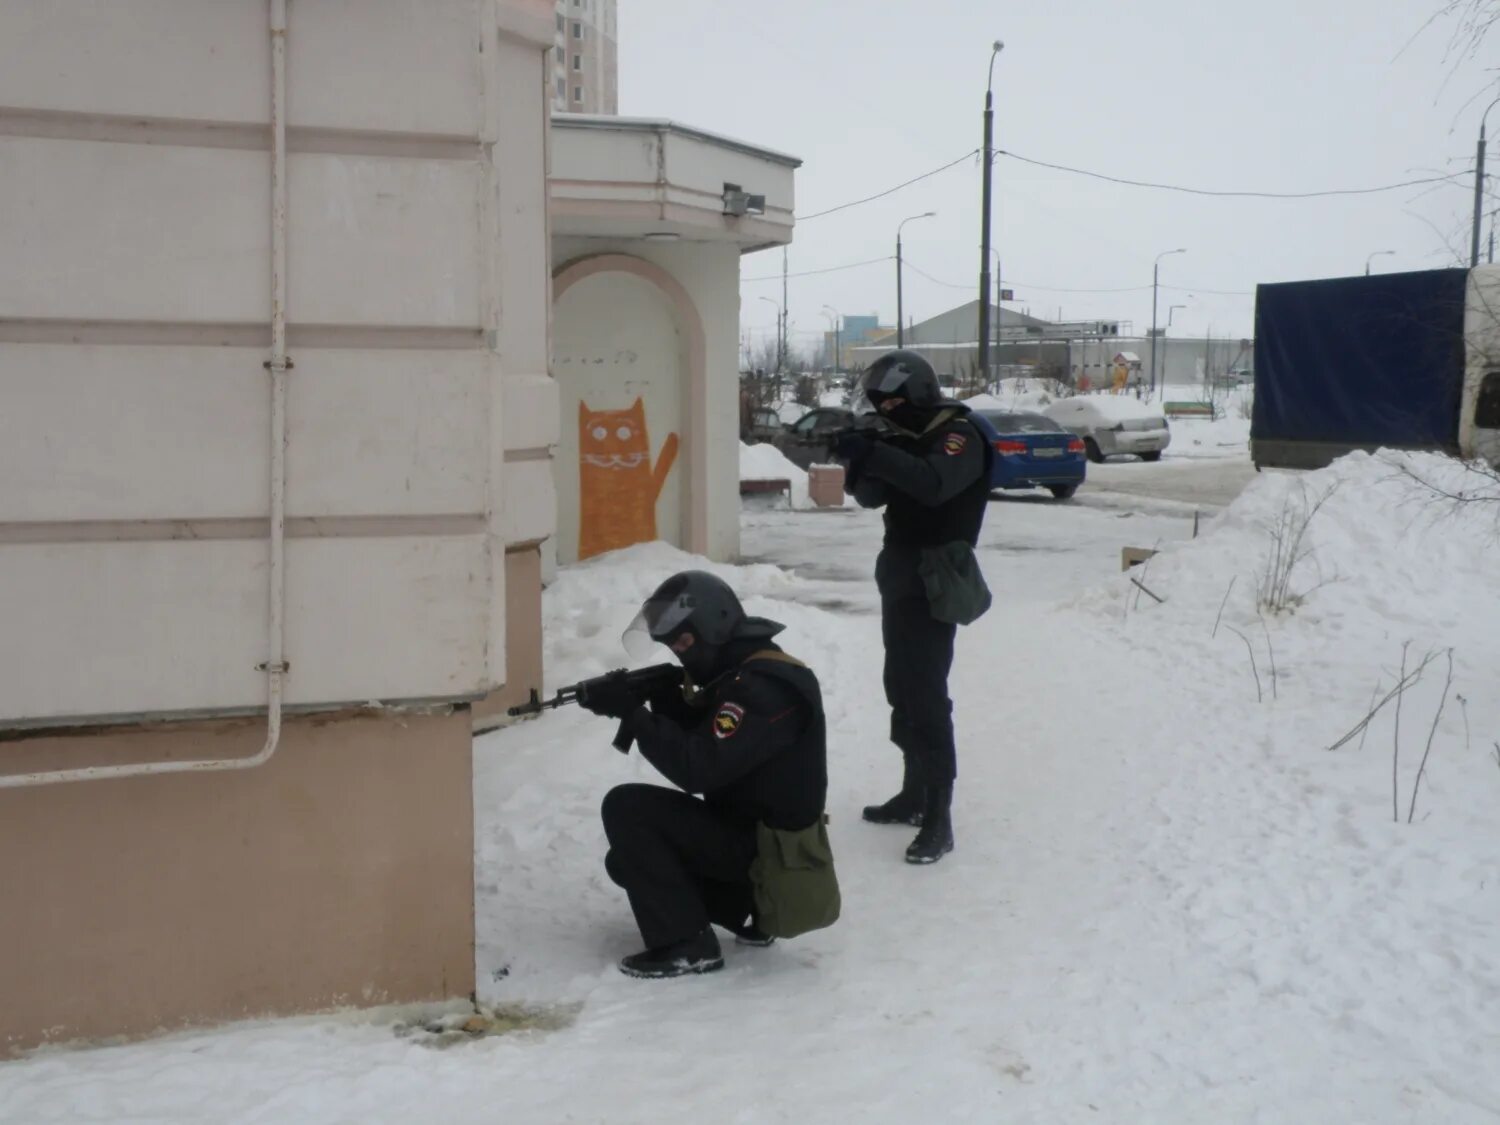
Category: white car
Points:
column 1110, row 424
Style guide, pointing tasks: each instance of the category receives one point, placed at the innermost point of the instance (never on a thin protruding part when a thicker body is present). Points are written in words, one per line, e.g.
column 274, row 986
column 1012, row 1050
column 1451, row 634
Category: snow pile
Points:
column 765, row 462
column 1011, row 397
column 587, row 609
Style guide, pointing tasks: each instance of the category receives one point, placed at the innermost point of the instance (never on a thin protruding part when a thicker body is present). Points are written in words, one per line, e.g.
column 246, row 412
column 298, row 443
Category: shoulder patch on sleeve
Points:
column 954, row 444
column 727, row 720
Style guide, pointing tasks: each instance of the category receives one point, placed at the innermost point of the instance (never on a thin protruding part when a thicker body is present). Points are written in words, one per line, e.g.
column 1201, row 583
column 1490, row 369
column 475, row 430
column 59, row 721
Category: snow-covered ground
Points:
column 1170, row 902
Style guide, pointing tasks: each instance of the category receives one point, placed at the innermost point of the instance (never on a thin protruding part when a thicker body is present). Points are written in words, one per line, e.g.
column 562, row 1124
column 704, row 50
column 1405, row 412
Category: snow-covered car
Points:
column 1110, row 424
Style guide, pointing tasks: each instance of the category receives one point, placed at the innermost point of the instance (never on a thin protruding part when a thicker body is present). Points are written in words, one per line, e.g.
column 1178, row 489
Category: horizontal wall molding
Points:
column 518, row 456
column 116, row 333
column 299, row 527
column 69, row 125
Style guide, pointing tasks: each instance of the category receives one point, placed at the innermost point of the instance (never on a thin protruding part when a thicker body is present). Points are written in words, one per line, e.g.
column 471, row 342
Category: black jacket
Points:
column 753, row 743
column 934, row 488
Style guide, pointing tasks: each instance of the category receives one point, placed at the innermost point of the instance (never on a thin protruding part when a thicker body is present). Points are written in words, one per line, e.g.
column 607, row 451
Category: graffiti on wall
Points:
column 617, row 485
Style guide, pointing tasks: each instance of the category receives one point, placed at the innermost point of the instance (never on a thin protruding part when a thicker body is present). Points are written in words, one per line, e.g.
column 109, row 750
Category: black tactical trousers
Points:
column 918, row 656
column 682, row 863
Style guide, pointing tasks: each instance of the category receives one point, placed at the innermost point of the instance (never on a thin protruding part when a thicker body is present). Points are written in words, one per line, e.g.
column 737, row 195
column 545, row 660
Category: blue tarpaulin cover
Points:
column 1363, row 361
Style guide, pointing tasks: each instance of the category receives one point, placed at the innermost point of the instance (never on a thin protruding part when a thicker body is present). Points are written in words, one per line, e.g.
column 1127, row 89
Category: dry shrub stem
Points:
column 1260, row 696
column 1421, row 769
column 1405, row 682
column 1222, row 604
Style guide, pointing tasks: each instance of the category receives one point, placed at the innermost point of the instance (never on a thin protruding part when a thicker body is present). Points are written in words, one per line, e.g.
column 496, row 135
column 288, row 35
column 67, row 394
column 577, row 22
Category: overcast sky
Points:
column 1266, row 95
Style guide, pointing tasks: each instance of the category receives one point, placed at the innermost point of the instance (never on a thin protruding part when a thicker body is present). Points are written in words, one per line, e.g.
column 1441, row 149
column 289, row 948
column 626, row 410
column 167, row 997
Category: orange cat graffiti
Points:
column 617, row 487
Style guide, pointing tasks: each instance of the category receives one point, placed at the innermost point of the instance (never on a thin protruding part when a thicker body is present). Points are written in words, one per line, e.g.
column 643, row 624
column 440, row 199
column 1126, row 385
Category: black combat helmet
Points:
column 697, row 603
column 907, row 377
column 903, row 374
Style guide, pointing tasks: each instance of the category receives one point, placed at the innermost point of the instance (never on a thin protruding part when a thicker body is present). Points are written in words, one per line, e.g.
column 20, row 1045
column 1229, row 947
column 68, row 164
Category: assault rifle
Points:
column 645, row 682
column 873, row 424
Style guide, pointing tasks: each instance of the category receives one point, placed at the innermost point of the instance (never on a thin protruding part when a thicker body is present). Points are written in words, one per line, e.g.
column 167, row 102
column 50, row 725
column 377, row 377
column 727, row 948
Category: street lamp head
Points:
column 999, row 46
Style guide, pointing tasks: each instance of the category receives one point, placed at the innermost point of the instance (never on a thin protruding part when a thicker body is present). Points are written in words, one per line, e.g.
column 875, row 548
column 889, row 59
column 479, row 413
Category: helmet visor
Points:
column 887, row 382
column 658, row 622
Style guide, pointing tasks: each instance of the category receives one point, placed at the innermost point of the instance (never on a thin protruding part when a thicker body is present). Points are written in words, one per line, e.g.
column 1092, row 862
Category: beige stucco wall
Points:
column 523, row 641
column 339, row 873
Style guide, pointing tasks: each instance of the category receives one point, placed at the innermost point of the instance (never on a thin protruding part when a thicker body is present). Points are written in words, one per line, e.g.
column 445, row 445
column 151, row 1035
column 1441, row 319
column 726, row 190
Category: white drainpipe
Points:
column 275, row 666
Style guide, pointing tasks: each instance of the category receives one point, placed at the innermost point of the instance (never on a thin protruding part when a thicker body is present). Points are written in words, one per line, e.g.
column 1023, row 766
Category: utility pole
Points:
column 1155, row 335
column 1479, row 186
column 984, row 250
column 785, row 310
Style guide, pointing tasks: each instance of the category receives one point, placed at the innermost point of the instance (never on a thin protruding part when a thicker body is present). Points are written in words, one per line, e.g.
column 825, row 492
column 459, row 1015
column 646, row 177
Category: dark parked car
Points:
column 1031, row 450
column 761, row 424
column 805, row 442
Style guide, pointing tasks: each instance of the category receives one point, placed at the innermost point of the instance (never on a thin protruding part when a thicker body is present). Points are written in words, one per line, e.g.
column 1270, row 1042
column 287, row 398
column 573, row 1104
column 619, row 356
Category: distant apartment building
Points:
column 585, row 58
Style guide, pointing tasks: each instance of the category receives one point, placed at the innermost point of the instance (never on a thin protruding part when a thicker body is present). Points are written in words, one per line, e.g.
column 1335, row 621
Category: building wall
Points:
column 1182, row 363
column 585, row 57
column 606, row 320
column 134, row 308
column 339, row 874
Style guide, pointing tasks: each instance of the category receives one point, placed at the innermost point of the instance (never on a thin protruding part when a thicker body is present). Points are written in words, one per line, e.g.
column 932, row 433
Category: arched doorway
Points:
column 628, row 357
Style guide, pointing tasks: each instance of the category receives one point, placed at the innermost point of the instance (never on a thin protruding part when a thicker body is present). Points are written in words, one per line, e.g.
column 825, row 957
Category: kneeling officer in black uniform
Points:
column 928, row 466
column 747, row 732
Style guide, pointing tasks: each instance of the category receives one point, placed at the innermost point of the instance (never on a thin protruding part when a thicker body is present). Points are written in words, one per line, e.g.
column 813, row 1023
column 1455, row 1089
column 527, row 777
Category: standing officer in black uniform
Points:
column 746, row 732
column 929, row 467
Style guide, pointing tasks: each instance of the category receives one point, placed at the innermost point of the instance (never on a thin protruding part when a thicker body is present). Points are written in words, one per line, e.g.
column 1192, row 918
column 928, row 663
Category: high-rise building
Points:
column 585, row 58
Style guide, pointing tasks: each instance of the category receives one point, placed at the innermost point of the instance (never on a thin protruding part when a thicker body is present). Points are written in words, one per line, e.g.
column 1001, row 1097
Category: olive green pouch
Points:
column 955, row 585
column 796, row 888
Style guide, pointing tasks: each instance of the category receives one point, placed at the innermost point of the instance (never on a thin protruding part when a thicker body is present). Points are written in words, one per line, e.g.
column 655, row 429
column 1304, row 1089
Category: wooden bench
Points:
column 766, row 486
column 1190, row 410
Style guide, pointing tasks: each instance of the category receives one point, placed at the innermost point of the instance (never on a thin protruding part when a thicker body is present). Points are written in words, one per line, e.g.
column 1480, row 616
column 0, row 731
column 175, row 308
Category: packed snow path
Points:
column 1169, row 902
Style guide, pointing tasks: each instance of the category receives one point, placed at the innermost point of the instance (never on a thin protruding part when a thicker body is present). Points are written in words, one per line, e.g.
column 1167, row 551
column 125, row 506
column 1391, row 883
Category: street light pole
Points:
column 984, row 252
column 1479, row 186
column 1372, row 257
column 838, row 343
column 1155, row 338
column 900, row 318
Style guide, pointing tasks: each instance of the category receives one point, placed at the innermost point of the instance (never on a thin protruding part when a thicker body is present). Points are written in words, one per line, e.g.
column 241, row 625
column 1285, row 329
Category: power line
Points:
column 889, row 191
column 1026, row 285
column 1233, row 194
column 830, row 269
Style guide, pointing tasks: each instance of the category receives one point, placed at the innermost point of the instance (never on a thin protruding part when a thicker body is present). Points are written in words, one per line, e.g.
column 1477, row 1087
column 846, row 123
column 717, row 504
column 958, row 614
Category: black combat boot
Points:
column 906, row 806
column 936, row 838
column 697, row 954
column 751, row 934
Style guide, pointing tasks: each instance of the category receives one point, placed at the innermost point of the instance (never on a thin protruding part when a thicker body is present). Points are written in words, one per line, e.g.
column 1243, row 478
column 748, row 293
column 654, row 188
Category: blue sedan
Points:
column 1032, row 451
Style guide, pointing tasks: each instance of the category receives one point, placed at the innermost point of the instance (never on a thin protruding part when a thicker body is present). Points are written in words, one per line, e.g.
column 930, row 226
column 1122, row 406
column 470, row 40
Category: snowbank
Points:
column 765, row 462
column 1170, row 900
column 1118, row 408
column 1010, row 398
